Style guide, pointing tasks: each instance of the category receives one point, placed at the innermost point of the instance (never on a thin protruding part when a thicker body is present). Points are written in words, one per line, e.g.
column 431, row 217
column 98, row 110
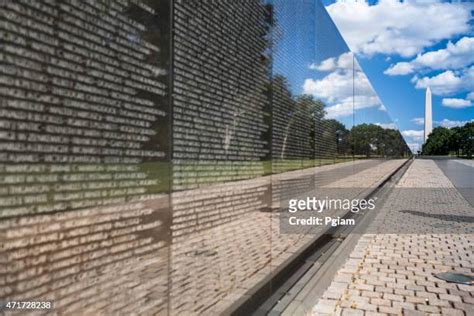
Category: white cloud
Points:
column 448, row 82
column 344, row 61
column 337, row 87
column 454, row 56
column 401, row 68
column 382, row 108
column 449, row 124
column 445, row 83
column 418, row 120
column 395, row 27
column 456, row 103
column 414, row 134
column 347, row 106
column 470, row 96
column 326, row 65
column 387, row 125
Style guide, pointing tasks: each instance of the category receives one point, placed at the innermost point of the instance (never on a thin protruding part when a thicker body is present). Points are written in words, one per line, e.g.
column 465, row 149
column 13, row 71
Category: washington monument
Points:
column 428, row 114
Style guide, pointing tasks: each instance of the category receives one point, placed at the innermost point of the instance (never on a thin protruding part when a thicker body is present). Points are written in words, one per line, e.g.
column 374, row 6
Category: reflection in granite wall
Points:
column 294, row 114
column 83, row 136
column 118, row 196
column 83, row 95
column 97, row 260
column 221, row 107
column 221, row 126
column 221, row 240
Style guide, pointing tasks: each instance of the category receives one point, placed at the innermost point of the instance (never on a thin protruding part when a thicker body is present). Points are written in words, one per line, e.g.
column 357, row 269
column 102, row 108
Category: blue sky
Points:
column 402, row 47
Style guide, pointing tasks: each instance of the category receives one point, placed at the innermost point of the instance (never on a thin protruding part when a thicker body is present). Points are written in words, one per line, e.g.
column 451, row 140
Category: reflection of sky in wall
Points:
column 312, row 55
column 294, row 40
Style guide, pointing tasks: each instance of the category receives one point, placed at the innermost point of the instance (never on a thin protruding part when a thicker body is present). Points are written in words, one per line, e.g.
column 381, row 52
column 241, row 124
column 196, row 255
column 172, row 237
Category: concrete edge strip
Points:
column 322, row 275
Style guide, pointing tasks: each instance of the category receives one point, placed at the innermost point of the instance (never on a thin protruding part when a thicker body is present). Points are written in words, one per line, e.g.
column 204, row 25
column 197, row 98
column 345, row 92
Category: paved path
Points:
column 390, row 270
column 126, row 259
column 461, row 174
column 214, row 266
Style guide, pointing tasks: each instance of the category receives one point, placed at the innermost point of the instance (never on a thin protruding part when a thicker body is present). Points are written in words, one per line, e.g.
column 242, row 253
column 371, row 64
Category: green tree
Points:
column 438, row 142
column 394, row 144
column 456, row 140
column 371, row 139
column 366, row 139
column 294, row 121
column 341, row 135
column 466, row 142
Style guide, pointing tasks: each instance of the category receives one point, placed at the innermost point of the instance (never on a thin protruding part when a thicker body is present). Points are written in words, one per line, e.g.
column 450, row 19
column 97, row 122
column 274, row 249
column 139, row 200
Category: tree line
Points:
column 302, row 129
column 457, row 141
column 369, row 140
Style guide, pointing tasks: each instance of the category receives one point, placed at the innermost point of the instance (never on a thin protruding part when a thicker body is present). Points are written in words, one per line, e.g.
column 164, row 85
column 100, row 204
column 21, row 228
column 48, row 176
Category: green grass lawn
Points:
column 210, row 172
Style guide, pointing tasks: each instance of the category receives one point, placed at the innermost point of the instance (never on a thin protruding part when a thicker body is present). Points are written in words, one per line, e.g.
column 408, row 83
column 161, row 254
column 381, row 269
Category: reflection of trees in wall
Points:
column 372, row 140
column 313, row 109
column 301, row 131
column 360, row 140
column 394, row 144
column 335, row 135
column 293, row 122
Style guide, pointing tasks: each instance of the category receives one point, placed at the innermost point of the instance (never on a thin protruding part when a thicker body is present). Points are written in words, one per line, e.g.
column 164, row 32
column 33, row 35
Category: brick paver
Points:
column 392, row 273
column 235, row 256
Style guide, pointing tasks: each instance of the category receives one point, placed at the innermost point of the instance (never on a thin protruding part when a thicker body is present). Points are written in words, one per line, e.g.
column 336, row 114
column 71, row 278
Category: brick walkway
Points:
column 126, row 259
column 214, row 267
column 391, row 271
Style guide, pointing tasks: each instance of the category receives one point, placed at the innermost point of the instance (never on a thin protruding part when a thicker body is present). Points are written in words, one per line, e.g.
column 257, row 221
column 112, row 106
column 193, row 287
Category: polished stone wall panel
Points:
column 220, row 92
column 293, row 120
column 84, row 154
column 146, row 147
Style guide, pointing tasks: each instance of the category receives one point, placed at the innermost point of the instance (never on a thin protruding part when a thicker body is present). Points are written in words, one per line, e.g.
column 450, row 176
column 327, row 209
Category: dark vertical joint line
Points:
column 270, row 200
column 353, row 101
column 170, row 155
